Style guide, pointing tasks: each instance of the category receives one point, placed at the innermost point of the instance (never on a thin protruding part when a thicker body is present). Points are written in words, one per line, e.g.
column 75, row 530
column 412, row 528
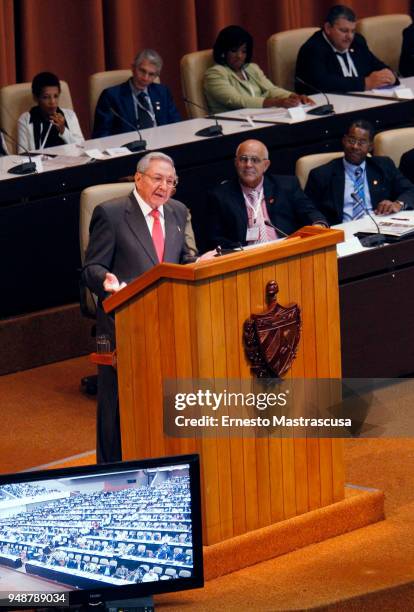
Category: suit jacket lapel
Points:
column 338, row 187
column 128, row 106
column 374, row 183
column 136, row 222
column 172, row 233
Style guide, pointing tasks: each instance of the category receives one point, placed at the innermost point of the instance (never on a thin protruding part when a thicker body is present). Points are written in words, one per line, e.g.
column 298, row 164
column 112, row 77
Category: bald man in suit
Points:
column 128, row 236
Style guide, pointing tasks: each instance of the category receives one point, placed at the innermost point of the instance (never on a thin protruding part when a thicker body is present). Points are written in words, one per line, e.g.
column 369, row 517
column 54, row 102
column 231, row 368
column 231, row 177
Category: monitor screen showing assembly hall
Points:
column 128, row 529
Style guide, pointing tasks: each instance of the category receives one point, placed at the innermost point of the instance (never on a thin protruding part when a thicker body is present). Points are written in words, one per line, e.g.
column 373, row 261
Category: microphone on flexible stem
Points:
column 26, row 167
column 369, row 241
column 135, row 145
column 325, row 109
column 213, row 130
column 279, row 231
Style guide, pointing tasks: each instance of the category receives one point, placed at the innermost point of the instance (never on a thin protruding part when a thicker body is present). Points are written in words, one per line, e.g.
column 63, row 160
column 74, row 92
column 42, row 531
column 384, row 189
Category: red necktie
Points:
column 157, row 234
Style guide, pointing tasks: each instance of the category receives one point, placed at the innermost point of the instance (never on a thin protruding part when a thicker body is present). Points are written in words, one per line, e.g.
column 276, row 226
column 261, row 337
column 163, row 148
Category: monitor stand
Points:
column 141, row 604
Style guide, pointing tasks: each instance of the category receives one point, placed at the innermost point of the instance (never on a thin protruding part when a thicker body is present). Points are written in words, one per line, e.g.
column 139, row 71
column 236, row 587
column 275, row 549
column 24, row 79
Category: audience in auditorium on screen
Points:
column 66, row 534
column 337, row 59
column 345, row 188
column 137, row 103
column 235, row 82
column 47, row 125
column 243, row 210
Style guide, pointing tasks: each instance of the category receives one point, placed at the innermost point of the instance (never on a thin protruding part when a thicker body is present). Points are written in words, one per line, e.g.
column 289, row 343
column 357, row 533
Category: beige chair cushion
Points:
column 394, row 143
column 91, row 197
column 307, row 163
column 100, row 81
column 192, row 67
column 383, row 34
column 17, row 99
column 282, row 52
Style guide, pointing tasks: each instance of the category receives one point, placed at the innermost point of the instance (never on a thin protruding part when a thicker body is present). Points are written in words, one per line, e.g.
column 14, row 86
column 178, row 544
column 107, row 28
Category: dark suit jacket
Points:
column 318, row 65
column 407, row 52
column 287, row 206
column 407, row 165
column 121, row 243
column 120, row 99
column 326, row 185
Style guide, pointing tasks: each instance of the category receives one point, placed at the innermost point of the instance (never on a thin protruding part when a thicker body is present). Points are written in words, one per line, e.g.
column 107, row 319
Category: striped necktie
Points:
column 359, row 206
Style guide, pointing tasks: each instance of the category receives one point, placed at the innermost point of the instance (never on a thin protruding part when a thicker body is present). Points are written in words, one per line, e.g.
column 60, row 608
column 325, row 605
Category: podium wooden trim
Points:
column 185, row 322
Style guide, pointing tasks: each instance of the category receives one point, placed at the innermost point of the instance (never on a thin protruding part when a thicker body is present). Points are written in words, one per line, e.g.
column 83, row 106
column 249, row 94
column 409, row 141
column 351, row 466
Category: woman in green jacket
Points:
column 234, row 82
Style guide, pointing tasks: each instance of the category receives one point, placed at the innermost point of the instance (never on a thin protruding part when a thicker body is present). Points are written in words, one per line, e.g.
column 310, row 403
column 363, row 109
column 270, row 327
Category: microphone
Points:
column 135, row 145
column 369, row 241
column 325, row 109
column 279, row 231
column 213, row 130
column 220, row 251
column 26, row 167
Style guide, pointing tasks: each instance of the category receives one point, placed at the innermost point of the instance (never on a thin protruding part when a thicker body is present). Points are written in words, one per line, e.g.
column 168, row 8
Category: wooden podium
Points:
column 185, row 322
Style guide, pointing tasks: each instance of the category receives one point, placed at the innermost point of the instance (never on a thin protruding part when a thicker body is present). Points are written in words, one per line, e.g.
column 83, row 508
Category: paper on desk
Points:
column 95, row 154
column 349, row 247
column 116, row 151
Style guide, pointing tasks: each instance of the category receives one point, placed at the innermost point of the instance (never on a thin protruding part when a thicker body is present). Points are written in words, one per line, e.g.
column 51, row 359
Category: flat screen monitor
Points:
column 100, row 533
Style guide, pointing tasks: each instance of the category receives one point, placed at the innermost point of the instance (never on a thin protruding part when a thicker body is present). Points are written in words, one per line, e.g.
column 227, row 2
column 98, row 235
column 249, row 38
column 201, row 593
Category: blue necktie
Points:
column 359, row 206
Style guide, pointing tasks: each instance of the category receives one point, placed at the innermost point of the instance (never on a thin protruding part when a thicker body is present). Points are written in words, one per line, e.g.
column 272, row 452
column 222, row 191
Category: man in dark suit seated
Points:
column 336, row 59
column 345, row 188
column 128, row 236
column 139, row 101
column 242, row 211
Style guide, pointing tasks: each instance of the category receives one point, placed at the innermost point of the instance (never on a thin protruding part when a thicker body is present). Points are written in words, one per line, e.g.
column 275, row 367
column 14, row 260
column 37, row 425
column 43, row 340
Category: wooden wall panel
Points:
column 207, row 446
column 233, row 359
column 153, row 371
column 218, row 324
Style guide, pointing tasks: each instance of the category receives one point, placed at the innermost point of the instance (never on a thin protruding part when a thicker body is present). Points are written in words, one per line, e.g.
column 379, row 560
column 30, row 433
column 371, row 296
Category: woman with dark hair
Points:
column 234, row 82
column 47, row 125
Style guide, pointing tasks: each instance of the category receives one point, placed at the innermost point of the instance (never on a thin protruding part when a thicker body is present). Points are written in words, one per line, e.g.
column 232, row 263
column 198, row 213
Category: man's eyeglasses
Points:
column 159, row 180
column 357, row 141
column 245, row 159
column 147, row 73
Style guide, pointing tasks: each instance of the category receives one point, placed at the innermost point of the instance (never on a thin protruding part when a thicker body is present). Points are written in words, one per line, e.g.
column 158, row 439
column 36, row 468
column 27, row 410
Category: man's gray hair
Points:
column 145, row 161
column 152, row 56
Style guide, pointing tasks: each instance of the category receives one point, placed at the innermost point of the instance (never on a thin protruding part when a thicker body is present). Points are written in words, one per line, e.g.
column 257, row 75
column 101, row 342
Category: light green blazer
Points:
column 225, row 91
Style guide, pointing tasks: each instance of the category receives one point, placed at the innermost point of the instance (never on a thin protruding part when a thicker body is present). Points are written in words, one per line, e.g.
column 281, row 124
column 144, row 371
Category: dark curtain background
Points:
column 75, row 38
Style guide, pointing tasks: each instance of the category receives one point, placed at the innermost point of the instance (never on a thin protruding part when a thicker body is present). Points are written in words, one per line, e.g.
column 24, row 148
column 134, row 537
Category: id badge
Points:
column 252, row 234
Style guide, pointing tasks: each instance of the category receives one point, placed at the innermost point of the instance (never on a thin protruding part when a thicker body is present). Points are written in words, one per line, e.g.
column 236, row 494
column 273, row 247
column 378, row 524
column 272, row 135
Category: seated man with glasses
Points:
column 346, row 188
column 256, row 207
column 139, row 102
column 128, row 236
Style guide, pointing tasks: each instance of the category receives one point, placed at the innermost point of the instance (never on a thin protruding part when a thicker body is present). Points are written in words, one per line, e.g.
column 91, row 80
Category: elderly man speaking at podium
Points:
column 128, row 236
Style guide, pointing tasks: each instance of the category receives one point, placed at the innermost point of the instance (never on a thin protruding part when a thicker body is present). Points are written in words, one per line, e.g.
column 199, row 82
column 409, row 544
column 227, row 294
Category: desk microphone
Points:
column 277, row 230
column 213, row 130
column 369, row 241
column 135, row 145
column 325, row 109
column 26, row 167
